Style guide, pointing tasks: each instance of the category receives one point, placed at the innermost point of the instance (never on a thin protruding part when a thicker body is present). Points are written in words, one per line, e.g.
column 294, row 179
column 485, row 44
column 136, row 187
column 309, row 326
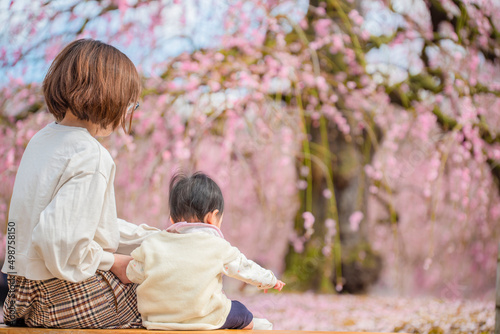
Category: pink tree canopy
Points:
column 282, row 107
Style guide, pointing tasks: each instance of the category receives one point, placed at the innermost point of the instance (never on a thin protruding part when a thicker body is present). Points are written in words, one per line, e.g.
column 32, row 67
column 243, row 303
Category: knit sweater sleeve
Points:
column 250, row 272
column 135, row 268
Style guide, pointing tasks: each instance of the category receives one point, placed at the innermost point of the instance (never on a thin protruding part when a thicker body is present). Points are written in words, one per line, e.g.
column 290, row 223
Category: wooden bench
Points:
column 26, row 330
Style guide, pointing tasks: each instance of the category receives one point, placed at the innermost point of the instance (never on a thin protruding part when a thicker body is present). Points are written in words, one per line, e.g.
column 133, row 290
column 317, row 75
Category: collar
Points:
column 185, row 228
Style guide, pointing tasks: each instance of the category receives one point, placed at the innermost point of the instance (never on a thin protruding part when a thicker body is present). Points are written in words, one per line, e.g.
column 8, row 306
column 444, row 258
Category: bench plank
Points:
column 26, row 330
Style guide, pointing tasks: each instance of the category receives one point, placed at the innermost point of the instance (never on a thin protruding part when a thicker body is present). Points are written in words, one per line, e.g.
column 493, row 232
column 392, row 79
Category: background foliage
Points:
column 355, row 141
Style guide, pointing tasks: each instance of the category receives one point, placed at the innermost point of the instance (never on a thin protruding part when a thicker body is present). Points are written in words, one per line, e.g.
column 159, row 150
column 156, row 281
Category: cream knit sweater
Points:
column 180, row 277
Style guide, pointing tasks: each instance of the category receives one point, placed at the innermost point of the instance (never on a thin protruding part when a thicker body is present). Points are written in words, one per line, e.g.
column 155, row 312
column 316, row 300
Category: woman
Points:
column 67, row 251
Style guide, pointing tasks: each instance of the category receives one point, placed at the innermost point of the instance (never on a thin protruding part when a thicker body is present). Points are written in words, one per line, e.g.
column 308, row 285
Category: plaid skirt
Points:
column 101, row 301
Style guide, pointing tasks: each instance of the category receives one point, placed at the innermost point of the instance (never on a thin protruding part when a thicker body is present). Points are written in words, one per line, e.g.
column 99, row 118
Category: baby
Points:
column 179, row 270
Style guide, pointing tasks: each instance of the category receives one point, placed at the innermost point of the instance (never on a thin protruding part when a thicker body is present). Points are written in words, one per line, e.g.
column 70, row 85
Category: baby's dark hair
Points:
column 192, row 197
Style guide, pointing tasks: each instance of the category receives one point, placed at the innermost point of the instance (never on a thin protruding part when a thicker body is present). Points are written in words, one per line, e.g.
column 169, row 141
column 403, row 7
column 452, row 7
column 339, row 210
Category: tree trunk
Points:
column 360, row 266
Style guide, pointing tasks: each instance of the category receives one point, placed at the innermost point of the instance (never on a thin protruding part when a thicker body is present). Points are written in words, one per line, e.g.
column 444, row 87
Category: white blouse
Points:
column 62, row 217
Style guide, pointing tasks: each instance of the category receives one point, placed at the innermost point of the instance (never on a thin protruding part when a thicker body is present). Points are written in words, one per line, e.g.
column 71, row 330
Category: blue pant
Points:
column 239, row 317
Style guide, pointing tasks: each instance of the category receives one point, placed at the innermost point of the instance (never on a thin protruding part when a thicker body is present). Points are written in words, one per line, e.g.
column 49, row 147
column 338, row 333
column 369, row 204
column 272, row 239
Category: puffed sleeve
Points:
column 131, row 235
column 64, row 236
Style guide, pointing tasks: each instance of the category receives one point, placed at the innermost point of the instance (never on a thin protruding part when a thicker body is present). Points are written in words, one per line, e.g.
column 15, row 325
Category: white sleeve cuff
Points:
column 135, row 271
column 107, row 261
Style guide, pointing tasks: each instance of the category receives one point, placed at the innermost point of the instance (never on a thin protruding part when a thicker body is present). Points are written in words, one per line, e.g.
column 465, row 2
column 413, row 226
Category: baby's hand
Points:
column 279, row 285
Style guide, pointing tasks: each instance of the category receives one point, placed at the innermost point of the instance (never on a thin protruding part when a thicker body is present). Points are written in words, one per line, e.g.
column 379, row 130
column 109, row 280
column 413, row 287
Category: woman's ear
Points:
column 171, row 220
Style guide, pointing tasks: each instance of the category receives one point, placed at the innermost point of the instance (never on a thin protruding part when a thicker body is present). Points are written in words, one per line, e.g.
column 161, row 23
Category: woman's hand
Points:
column 119, row 268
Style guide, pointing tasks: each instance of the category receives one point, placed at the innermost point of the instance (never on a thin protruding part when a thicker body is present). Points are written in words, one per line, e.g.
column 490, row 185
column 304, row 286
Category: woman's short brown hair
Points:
column 93, row 80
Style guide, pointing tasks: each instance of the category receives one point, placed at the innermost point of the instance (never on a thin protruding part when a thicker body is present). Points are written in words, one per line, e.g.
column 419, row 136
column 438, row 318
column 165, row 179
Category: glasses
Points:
column 132, row 108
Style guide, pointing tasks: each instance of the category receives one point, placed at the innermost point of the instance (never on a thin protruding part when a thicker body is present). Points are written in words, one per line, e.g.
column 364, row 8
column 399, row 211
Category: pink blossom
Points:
column 304, row 171
column 322, row 27
column 302, row 184
column 356, row 17
column 331, row 226
column 355, row 220
column 308, row 220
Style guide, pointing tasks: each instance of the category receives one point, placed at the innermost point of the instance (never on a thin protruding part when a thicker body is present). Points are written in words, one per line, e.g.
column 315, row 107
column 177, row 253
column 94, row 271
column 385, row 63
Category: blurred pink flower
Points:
column 355, row 220
column 308, row 220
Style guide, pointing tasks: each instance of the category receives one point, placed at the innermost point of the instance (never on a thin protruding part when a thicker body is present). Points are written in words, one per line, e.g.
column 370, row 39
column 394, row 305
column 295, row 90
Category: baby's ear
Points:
column 211, row 217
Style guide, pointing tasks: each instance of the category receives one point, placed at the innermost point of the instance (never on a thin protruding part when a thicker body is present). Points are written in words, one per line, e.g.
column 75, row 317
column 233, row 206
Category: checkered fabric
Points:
column 101, row 301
